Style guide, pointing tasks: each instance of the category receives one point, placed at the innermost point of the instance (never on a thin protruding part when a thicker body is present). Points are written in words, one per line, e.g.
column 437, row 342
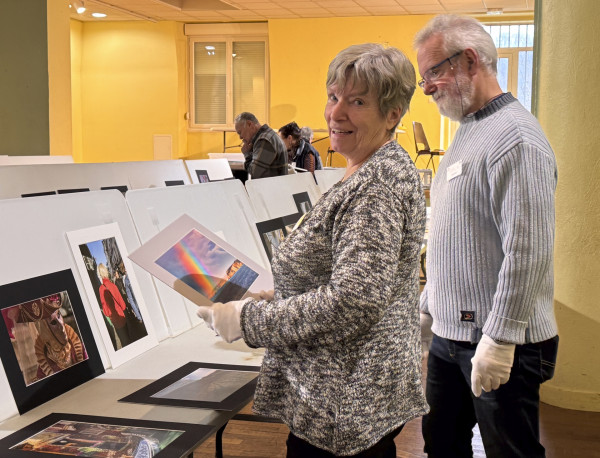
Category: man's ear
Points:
column 472, row 60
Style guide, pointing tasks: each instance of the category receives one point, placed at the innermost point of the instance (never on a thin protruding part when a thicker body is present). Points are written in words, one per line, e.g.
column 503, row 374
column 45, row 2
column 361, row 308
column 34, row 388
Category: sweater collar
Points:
column 490, row 108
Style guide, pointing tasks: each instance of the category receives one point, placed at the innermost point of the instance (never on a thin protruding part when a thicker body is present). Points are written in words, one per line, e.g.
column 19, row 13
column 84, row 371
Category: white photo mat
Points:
column 141, row 344
column 204, row 275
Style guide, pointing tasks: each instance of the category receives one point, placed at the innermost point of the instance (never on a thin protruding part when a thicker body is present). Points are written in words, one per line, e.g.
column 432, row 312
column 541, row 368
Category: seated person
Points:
column 301, row 152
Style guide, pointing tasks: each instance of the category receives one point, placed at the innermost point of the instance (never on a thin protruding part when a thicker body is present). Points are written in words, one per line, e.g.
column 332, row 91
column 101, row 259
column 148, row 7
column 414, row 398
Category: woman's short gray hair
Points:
column 459, row 33
column 385, row 71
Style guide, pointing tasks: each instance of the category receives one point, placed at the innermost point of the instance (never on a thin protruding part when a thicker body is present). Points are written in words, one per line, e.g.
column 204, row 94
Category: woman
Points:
column 301, row 152
column 113, row 307
column 343, row 362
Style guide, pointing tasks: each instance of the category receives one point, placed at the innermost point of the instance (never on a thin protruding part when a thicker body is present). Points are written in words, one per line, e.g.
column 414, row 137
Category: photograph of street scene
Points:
column 98, row 440
column 206, row 267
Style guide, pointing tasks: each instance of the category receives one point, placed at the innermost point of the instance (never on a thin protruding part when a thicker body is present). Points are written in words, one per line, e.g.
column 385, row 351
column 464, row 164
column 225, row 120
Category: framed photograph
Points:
column 63, row 434
column 112, row 291
column 46, row 344
column 201, row 385
column 303, row 203
column 202, row 176
column 273, row 231
column 200, row 265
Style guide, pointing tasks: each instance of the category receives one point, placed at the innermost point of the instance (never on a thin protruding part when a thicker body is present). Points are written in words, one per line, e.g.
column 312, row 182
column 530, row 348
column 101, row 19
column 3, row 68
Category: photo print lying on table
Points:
column 46, row 344
column 303, row 203
column 201, row 385
column 200, row 265
column 66, row 434
column 112, row 291
column 202, row 176
column 273, row 231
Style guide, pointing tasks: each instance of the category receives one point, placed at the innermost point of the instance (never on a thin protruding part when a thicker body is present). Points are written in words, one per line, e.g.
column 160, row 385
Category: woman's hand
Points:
column 224, row 319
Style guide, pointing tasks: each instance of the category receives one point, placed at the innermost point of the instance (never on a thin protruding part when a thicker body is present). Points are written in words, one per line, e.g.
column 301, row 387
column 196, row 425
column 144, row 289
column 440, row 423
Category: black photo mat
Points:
column 71, row 191
column 302, row 201
column 276, row 228
column 174, row 182
column 29, row 395
column 122, row 188
column 238, row 398
column 36, row 194
column 108, row 434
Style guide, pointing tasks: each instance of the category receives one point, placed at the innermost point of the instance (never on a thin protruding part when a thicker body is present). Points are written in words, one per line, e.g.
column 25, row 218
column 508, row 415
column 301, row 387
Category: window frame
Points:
column 229, row 34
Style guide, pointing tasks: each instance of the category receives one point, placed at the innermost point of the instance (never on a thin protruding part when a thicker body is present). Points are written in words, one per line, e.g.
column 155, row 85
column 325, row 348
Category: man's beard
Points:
column 455, row 99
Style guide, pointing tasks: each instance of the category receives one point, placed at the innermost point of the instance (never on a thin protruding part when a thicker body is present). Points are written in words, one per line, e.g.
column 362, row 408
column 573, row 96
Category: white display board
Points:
column 34, row 244
column 17, row 180
column 24, row 160
column 151, row 174
column 326, row 178
column 223, row 207
column 217, row 169
column 274, row 197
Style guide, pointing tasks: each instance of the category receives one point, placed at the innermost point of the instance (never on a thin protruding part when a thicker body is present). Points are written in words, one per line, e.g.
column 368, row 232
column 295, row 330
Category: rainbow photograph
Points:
column 206, row 267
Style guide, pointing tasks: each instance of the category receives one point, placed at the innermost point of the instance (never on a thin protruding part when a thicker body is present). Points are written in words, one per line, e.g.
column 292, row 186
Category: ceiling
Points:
column 261, row 10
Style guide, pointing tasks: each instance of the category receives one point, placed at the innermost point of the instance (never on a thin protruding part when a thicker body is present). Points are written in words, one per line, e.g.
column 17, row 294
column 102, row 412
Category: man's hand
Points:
column 491, row 365
column 426, row 333
column 246, row 147
column 224, row 319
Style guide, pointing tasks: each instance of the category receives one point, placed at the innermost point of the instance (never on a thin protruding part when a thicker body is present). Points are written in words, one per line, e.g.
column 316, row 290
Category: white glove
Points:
column 262, row 296
column 426, row 333
column 224, row 319
column 491, row 365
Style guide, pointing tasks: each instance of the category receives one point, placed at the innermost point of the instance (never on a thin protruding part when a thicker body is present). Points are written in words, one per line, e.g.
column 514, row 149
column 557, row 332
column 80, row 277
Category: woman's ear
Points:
column 393, row 117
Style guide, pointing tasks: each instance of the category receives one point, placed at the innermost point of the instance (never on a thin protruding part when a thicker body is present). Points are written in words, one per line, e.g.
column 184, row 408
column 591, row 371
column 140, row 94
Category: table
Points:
column 100, row 396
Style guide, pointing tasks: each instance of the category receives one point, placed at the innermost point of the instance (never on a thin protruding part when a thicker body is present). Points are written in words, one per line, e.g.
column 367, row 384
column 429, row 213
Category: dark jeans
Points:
column 385, row 448
column 508, row 417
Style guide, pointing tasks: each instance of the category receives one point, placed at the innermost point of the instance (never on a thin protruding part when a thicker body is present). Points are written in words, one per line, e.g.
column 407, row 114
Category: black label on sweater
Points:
column 467, row 315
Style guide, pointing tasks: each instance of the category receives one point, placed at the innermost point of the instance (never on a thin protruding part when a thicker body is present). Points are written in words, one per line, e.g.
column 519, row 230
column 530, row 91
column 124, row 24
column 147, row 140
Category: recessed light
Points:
column 98, row 14
column 494, row 11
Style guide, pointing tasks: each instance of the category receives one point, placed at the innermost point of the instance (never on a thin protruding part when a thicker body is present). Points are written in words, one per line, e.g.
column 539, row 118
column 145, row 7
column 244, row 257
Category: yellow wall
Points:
column 132, row 83
column 568, row 111
column 130, row 89
column 59, row 77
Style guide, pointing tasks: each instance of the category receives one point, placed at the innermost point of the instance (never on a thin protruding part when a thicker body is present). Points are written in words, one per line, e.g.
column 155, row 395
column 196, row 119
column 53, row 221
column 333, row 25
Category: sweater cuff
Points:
column 505, row 329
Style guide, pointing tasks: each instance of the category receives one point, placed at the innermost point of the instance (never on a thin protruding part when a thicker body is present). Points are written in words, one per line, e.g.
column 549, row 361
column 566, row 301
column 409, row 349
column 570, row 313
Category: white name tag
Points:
column 454, row 170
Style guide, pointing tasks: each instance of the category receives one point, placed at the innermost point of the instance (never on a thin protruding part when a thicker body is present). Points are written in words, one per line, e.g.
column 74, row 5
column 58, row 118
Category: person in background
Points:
column 342, row 366
column 300, row 152
column 113, row 307
column 489, row 293
column 264, row 152
column 307, row 134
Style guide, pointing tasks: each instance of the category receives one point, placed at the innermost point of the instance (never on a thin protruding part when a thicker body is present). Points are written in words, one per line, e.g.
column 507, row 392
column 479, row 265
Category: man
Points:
column 265, row 153
column 489, row 293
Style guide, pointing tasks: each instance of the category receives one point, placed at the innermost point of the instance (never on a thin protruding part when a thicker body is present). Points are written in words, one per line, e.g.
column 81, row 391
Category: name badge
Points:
column 454, row 170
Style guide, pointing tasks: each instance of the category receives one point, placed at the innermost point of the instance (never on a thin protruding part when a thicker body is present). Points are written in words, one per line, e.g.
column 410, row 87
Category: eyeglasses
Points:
column 432, row 75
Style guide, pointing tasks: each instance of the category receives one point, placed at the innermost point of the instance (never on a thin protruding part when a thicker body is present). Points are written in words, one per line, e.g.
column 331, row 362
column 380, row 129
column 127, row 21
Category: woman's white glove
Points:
column 262, row 296
column 491, row 365
column 224, row 319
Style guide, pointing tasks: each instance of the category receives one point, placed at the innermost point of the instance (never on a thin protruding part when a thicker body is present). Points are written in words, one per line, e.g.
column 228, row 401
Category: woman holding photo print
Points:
column 343, row 362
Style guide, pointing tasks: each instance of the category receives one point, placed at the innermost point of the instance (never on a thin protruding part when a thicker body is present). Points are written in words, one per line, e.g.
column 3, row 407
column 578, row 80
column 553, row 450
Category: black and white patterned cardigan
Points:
column 343, row 361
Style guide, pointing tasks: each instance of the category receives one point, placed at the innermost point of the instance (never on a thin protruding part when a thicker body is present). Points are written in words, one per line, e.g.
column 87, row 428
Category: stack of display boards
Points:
column 45, row 179
column 23, row 160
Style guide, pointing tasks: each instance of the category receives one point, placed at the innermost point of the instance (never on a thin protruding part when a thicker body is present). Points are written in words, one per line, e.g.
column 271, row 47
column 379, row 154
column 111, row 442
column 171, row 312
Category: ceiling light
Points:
column 98, row 14
column 494, row 11
column 78, row 5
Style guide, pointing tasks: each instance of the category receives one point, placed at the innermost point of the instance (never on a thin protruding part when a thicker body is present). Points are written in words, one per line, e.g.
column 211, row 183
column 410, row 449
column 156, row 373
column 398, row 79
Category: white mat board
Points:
column 217, row 169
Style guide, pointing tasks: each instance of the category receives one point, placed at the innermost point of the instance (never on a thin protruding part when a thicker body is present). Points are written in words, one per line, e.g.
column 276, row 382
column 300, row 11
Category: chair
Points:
column 422, row 146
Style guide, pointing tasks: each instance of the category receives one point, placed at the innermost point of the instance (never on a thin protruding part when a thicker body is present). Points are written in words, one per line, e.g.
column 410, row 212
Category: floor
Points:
column 565, row 434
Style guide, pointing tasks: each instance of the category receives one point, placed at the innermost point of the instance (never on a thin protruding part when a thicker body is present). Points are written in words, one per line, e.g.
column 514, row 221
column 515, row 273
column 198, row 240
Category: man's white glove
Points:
column 224, row 319
column 262, row 296
column 426, row 333
column 491, row 365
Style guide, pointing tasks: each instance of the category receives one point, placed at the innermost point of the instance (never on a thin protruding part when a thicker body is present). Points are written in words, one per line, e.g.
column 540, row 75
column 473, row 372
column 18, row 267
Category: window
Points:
column 515, row 59
column 229, row 74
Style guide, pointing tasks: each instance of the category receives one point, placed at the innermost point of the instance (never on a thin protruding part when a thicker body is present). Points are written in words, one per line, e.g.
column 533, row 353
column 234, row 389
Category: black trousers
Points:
column 385, row 448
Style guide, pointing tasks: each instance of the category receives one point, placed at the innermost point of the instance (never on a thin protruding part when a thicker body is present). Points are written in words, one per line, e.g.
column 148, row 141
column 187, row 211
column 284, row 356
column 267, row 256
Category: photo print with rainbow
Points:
column 206, row 267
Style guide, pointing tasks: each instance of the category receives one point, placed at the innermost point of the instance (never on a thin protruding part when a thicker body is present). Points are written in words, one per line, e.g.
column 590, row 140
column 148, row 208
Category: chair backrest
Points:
column 421, row 143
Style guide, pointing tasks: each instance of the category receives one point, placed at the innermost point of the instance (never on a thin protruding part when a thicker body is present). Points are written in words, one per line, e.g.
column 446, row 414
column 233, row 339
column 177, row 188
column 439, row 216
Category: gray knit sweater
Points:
column 491, row 238
column 343, row 361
